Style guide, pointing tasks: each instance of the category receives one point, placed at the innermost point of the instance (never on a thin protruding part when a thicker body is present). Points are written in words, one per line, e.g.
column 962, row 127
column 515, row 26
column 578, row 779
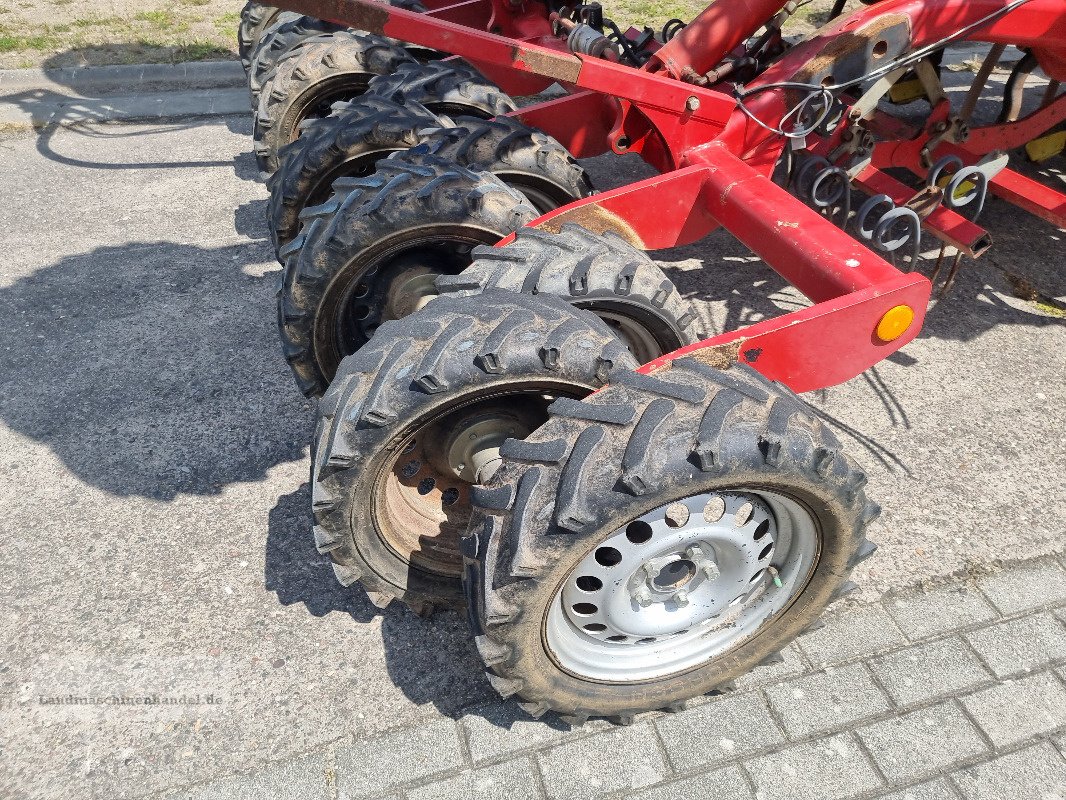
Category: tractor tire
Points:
column 346, row 144
column 306, row 82
column 349, row 141
column 288, row 32
column 415, row 417
column 450, row 87
column 715, row 484
column 255, row 19
column 601, row 273
column 522, row 157
column 373, row 255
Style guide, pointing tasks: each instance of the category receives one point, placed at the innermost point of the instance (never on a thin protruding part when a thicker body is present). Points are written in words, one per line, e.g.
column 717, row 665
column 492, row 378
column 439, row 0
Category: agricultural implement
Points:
column 519, row 413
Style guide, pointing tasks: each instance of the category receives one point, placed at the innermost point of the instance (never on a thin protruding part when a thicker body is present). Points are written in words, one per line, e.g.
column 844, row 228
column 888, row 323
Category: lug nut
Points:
column 681, row 598
column 643, row 597
column 710, row 569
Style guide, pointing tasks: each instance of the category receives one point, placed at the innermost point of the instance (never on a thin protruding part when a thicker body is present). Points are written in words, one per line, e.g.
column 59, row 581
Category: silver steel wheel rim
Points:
column 638, row 339
column 681, row 585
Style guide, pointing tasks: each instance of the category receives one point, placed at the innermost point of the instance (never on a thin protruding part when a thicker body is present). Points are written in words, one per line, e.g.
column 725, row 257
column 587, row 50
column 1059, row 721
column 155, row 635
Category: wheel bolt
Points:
column 710, row 569
column 642, row 596
column 681, row 598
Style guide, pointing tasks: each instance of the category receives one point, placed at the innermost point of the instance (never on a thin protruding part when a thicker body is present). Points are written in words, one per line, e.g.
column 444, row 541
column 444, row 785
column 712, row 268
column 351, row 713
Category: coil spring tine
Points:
column 939, row 263
column 949, row 281
column 866, row 210
column 804, row 181
column 838, row 202
column 938, row 169
column 979, row 192
column 785, row 172
column 912, row 233
column 956, row 198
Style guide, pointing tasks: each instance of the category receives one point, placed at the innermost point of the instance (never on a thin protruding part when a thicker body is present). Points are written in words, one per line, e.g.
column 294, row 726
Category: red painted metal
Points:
column 681, row 214
column 819, row 346
column 1036, row 198
column 1032, row 196
column 717, row 160
column 582, row 121
column 718, row 29
column 801, row 245
column 471, row 13
column 1016, row 134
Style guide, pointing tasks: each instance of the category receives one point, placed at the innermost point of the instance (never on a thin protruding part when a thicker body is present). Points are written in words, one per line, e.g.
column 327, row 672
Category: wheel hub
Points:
column 399, row 283
column 678, row 577
column 640, row 341
column 473, row 451
column 679, row 585
column 423, row 496
column 672, row 577
column 410, row 291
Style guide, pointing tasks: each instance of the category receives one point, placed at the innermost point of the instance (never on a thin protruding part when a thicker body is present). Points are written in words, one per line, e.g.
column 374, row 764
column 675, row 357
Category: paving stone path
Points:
column 953, row 692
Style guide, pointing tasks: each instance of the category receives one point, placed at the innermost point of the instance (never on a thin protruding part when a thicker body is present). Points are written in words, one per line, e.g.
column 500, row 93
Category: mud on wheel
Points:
column 308, row 80
column 601, row 273
column 450, row 87
column 288, row 31
column 523, row 157
column 417, row 417
column 373, row 252
column 658, row 540
column 351, row 140
column 255, row 19
column 346, row 144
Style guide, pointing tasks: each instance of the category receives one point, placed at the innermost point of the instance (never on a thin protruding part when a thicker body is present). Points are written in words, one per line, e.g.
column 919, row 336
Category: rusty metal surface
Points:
column 418, row 525
column 594, row 218
column 562, row 67
column 721, row 356
column 850, row 54
column 368, row 17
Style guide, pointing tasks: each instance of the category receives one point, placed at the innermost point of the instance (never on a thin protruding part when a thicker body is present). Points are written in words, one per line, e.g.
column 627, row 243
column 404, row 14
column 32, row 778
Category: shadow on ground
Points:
column 73, row 114
column 431, row 660
column 151, row 369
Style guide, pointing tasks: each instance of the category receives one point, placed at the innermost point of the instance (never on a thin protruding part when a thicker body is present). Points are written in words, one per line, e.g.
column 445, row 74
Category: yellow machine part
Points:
column 906, row 91
column 1044, row 147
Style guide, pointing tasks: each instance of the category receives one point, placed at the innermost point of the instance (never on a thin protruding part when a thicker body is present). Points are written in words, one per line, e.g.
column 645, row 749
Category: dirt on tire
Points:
column 383, row 512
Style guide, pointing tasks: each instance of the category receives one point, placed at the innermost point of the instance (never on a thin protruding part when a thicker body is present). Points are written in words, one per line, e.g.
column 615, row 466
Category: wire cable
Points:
column 827, row 95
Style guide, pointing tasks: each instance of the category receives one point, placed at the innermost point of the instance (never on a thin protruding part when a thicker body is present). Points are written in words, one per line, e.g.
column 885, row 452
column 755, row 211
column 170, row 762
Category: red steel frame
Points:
column 715, row 162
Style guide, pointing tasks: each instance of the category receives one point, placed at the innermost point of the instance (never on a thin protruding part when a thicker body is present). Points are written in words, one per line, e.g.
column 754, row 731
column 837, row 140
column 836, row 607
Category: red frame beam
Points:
column 720, row 158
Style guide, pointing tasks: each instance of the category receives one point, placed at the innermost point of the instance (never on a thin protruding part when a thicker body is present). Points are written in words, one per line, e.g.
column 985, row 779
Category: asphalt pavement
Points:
column 154, row 463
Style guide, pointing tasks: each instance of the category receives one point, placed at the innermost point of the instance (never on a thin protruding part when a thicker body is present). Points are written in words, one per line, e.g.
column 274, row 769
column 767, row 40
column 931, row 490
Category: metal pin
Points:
column 775, row 575
column 950, row 279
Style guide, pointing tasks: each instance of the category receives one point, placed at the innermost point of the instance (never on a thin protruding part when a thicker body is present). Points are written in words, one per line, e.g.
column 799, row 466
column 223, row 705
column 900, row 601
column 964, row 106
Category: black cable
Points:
column 672, row 28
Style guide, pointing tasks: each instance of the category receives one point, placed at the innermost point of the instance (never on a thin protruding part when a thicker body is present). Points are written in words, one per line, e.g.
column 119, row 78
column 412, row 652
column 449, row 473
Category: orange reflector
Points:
column 895, row 323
